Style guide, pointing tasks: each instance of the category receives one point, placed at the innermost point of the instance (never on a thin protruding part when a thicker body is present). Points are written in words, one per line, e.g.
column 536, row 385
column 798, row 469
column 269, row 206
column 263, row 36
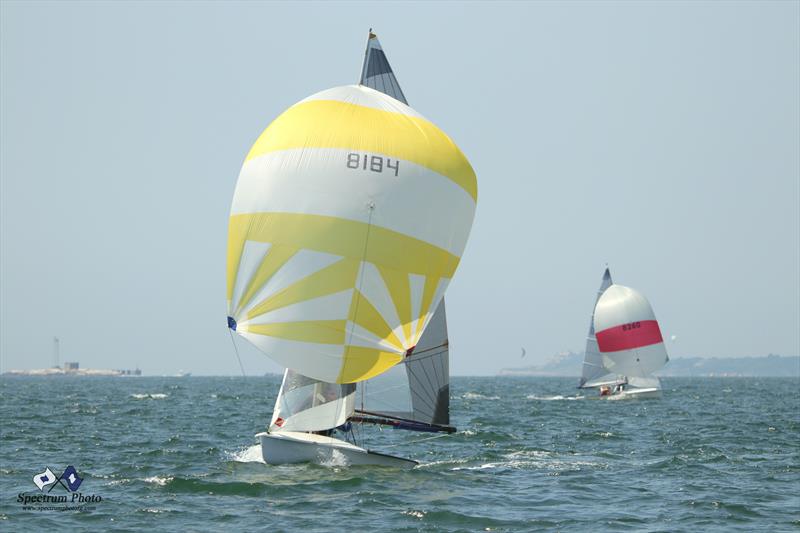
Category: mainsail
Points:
column 594, row 373
column 628, row 334
column 350, row 216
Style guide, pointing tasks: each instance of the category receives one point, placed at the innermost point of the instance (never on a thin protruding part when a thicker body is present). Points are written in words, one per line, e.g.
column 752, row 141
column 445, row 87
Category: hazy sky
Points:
column 660, row 137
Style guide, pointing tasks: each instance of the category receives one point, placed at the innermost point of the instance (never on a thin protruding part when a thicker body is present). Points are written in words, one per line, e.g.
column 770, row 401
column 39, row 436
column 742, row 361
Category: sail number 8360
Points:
column 374, row 163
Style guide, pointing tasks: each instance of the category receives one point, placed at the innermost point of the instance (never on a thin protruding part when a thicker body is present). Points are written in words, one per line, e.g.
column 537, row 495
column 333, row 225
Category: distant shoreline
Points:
column 569, row 364
column 563, row 365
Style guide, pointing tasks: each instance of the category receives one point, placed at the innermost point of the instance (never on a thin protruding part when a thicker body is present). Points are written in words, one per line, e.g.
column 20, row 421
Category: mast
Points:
column 425, row 371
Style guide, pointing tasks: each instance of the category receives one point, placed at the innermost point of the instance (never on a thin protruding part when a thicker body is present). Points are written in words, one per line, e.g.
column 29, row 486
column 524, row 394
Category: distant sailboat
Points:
column 624, row 347
column 349, row 219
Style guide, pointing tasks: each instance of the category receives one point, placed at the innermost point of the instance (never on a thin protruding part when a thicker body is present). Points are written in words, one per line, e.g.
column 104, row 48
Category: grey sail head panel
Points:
column 593, row 367
column 376, row 72
column 418, row 388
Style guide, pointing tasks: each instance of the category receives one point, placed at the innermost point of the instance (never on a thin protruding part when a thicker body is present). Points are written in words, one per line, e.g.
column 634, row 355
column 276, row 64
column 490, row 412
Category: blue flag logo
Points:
column 70, row 477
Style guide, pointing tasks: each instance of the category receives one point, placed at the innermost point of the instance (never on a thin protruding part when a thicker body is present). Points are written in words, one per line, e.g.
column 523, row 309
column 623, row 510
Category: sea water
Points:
column 531, row 454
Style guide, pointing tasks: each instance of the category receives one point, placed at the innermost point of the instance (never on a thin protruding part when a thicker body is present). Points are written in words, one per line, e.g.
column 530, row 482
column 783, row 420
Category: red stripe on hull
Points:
column 629, row 336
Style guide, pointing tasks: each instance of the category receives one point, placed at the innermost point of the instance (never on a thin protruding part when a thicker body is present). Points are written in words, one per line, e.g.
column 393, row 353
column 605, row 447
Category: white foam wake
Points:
column 478, row 396
column 334, row 459
column 536, row 459
column 248, row 454
column 154, row 396
column 557, row 397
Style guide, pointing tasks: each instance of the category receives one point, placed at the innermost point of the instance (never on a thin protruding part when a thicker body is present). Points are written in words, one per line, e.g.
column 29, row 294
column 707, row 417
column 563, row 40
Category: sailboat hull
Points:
column 635, row 394
column 289, row 447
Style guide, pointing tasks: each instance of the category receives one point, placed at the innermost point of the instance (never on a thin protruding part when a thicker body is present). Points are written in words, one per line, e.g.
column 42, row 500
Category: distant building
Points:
column 73, row 369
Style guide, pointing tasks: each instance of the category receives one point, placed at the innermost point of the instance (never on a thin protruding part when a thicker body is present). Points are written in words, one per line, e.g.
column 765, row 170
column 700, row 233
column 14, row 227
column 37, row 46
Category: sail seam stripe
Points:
column 431, row 391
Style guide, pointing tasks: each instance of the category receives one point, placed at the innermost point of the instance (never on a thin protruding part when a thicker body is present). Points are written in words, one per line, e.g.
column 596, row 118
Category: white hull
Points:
column 634, row 394
column 288, row 447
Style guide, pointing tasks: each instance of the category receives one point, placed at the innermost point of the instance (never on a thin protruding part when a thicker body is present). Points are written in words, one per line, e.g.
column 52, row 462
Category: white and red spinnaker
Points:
column 627, row 333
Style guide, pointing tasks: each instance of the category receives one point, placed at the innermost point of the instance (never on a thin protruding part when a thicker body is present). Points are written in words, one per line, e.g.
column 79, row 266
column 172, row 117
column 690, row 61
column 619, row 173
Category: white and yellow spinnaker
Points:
column 350, row 216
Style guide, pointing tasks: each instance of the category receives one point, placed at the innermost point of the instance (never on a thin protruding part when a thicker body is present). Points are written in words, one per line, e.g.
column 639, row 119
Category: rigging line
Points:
column 443, row 345
column 416, row 441
column 371, row 207
column 236, row 350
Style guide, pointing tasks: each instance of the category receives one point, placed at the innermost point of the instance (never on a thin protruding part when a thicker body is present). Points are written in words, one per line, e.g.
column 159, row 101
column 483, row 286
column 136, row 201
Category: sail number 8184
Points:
column 374, row 163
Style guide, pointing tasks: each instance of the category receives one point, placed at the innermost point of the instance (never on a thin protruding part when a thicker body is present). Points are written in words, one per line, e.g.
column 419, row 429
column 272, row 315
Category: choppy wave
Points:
column 443, row 463
column 222, row 488
column 525, row 458
column 158, row 480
